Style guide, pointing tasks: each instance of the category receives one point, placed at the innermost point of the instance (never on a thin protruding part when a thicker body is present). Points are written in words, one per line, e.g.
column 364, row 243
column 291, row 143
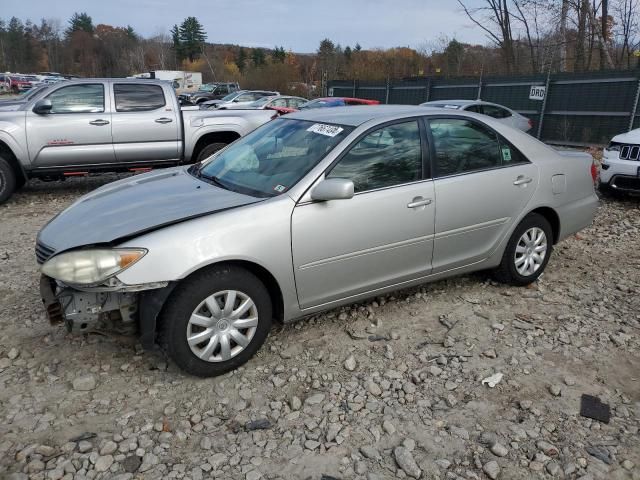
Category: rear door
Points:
column 145, row 125
column 482, row 184
column 77, row 130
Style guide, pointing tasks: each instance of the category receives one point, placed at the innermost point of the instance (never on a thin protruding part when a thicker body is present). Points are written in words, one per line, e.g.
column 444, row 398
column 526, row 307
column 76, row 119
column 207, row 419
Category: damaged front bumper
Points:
column 114, row 306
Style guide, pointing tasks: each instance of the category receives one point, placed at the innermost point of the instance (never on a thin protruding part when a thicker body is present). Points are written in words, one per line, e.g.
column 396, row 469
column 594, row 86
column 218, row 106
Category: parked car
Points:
column 336, row 102
column 313, row 210
column 82, row 126
column 274, row 103
column 14, row 83
column 208, row 91
column 620, row 169
column 240, row 98
column 499, row 112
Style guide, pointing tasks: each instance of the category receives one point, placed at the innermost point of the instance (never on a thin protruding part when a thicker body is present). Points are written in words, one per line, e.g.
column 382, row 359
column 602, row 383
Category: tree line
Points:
column 523, row 36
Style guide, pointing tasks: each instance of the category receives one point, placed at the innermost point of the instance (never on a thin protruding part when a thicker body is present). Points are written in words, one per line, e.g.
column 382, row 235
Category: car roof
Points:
column 357, row 115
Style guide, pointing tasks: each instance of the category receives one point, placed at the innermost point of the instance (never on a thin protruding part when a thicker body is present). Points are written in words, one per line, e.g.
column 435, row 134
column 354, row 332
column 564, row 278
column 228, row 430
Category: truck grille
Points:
column 626, row 183
column 43, row 252
column 630, row 152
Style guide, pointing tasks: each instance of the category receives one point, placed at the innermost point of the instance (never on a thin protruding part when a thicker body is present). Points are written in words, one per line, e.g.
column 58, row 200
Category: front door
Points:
column 381, row 236
column 76, row 132
column 482, row 184
column 145, row 126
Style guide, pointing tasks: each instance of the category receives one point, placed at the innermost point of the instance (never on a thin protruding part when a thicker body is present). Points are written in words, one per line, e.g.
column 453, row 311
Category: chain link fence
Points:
column 578, row 109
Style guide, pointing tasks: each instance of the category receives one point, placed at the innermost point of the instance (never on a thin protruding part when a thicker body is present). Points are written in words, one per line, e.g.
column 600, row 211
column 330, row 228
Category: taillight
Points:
column 530, row 122
column 594, row 171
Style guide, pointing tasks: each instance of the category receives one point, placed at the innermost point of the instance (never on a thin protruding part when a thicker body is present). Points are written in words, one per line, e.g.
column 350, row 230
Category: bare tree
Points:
column 564, row 12
column 495, row 12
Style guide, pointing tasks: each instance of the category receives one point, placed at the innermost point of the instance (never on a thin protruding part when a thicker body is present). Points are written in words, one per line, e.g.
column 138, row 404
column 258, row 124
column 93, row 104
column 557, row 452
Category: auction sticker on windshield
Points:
column 323, row 129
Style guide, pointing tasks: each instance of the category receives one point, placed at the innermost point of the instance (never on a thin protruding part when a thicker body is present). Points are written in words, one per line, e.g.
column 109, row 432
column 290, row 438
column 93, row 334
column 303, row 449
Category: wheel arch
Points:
column 227, row 137
column 7, row 153
column 553, row 218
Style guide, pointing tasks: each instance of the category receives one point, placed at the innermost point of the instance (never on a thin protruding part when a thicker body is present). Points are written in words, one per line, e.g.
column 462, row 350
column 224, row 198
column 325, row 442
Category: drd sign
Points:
column 537, row 92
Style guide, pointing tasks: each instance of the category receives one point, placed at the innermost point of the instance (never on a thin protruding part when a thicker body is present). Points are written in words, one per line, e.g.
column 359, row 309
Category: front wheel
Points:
column 216, row 321
column 8, row 180
column 527, row 252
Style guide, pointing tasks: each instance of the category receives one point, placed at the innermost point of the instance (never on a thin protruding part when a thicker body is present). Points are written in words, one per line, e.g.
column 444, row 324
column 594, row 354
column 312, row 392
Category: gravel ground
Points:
column 388, row 388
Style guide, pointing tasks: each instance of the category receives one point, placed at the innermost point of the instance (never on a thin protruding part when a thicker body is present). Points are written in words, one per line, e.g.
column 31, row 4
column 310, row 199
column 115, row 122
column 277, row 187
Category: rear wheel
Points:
column 209, row 150
column 527, row 252
column 8, row 180
column 216, row 321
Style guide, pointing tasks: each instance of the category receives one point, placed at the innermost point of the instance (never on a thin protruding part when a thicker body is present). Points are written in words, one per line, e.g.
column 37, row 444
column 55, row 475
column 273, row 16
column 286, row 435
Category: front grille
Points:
column 43, row 252
column 630, row 152
column 621, row 182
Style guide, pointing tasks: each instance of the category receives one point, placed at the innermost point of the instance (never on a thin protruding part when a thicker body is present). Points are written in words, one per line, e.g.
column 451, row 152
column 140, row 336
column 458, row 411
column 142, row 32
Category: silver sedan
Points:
column 499, row 112
column 309, row 212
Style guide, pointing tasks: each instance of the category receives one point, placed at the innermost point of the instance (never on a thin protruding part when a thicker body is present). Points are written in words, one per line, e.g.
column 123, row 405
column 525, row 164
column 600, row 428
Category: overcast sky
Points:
column 298, row 25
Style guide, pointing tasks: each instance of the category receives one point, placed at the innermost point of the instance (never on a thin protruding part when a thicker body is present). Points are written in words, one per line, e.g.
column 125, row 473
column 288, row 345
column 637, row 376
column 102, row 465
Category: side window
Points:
column 85, row 98
column 279, row 102
column 245, row 97
column 296, row 102
column 496, row 112
column 222, row 90
column 463, row 146
column 383, row 158
column 131, row 97
column 474, row 108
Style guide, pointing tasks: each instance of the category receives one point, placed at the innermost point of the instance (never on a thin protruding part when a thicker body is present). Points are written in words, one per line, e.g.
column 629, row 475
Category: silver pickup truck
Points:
column 109, row 125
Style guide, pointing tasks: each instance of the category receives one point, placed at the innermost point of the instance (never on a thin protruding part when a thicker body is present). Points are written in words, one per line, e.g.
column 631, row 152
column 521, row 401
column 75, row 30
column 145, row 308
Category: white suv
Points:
column 620, row 171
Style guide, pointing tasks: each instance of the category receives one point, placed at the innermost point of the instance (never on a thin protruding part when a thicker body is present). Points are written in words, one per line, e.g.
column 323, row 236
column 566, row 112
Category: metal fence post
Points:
column 428, row 89
column 635, row 107
column 354, row 89
column 544, row 104
column 479, row 88
column 386, row 99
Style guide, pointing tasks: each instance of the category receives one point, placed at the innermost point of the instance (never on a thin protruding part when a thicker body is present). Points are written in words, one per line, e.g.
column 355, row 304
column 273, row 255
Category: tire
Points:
column 607, row 191
column 8, row 180
column 191, row 300
column 513, row 270
column 209, row 150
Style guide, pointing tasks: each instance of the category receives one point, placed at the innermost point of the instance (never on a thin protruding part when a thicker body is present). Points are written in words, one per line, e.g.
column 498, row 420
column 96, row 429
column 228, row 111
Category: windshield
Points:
column 206, row 88
column 231, row 96
column 273, row 158
column 29, row 94
column 322, row 103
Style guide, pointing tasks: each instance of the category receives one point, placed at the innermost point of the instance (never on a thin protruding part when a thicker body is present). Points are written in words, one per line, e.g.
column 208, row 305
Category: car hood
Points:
column 137, row 205
column 630, row 137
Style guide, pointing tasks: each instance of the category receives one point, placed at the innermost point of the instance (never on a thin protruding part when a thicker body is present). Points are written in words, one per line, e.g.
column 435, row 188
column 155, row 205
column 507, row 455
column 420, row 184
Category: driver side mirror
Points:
column 42, row 107
column 333, row 189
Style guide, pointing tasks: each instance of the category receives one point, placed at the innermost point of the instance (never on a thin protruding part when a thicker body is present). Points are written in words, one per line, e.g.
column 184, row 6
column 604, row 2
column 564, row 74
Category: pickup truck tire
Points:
column 8, row 181
column 215, row 320
column 209, row 150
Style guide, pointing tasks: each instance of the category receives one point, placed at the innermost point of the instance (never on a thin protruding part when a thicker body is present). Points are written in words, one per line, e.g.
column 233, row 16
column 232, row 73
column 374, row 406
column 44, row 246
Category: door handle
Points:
column 522, row 180
column 164, row 120
column 99, row 122
column 419, row 202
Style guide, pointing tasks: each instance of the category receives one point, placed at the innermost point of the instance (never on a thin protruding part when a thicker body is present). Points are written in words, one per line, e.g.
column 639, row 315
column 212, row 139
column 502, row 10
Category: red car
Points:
column 328, row 102
column 15, row 83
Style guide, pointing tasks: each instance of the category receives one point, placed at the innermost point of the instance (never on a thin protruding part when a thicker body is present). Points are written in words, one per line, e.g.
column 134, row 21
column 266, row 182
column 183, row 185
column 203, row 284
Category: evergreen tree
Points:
column 257, row 57
column 192, row 37
column 80, row 22
column 241, row 59
column 279, row 55
column 357, row 48
column 177, row 46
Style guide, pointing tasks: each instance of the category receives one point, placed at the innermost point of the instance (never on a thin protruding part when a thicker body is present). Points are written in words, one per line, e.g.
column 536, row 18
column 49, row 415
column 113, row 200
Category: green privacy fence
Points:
column 578, row 109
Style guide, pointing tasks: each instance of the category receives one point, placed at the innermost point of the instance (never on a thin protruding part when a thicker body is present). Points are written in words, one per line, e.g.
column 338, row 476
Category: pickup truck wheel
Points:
column 209, row 150
column 216, row 321
column 8, row 180
column 527, row 252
